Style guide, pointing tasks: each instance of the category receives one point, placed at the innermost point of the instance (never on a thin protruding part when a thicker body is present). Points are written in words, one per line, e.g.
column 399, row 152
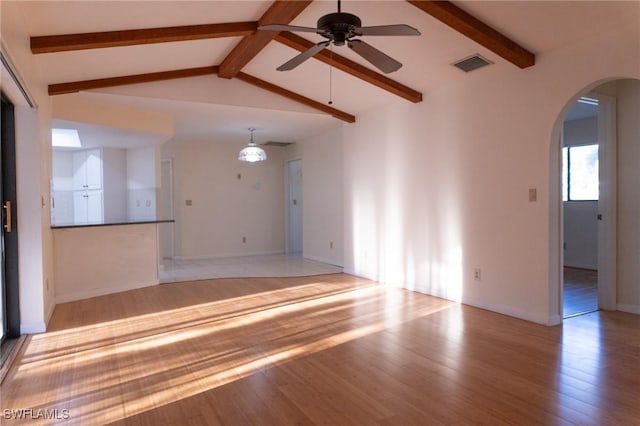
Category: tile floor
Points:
column 275, row 265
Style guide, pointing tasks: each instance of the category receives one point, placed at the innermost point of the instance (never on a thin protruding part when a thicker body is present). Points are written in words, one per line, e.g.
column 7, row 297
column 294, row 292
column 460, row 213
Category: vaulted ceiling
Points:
column 207, row 64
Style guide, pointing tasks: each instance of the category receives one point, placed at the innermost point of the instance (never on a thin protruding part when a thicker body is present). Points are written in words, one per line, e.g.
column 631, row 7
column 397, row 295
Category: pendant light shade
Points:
column 252, row 152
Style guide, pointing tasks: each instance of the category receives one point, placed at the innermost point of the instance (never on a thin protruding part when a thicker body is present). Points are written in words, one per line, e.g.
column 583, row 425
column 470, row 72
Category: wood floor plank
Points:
column 331, row 349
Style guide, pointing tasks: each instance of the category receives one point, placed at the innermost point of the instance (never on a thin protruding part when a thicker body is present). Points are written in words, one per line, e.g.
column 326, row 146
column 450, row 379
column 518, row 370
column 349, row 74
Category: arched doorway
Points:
column 618, row 133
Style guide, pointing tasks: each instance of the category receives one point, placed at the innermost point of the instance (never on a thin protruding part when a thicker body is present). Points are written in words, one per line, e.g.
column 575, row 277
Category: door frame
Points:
column 171, row 227
column 607, row 243
column 287, row 201
column 10, row 243
column 607, row 203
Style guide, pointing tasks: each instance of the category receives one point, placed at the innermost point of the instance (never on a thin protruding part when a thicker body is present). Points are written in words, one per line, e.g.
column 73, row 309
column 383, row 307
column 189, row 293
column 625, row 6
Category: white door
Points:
column 94, row 169
column 94, row 206
column 80, row 207
column 79, row 170
column 607, row 228
column 295, row 206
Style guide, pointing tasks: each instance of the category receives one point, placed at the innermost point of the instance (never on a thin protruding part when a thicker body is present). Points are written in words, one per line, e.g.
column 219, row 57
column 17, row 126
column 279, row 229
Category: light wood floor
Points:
column 332, row 349
column 580, row 291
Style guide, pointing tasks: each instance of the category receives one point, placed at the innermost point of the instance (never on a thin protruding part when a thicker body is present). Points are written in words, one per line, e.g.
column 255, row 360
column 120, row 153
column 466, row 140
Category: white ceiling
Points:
column 220, row 109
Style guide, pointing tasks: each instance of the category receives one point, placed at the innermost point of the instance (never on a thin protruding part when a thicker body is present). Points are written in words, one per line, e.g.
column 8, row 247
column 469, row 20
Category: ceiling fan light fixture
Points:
column 252, row 153
column 340, row 29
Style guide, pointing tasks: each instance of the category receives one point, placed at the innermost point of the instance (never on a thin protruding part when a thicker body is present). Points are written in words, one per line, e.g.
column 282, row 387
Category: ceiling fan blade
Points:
column 388, row 30
column 297, row 60
column 279, row 27
column 380, row 60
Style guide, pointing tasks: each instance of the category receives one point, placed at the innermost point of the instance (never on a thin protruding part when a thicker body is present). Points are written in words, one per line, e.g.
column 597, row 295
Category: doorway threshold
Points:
column 9, row 351
column 577, row 314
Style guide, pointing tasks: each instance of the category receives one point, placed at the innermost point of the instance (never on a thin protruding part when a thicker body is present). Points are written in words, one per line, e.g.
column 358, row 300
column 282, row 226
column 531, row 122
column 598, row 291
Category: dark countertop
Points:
column 130, row 222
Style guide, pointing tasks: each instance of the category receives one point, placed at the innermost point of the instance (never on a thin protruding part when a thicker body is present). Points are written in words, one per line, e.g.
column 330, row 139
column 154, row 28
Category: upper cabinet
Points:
column 87, row 169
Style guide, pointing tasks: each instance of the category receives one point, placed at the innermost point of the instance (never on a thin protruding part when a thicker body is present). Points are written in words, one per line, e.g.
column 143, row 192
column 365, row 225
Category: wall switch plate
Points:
column 533, row 194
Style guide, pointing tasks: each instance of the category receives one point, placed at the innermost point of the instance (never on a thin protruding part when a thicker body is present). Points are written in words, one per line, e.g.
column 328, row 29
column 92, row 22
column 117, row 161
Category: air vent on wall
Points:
column 272, row 143
column 472, row 63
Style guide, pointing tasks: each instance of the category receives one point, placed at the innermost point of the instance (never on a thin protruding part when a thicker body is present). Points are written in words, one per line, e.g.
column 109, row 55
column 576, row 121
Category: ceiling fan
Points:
column 340, row 28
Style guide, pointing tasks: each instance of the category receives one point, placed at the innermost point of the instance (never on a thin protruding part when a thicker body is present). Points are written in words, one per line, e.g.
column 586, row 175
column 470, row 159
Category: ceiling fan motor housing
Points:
column 338, row 27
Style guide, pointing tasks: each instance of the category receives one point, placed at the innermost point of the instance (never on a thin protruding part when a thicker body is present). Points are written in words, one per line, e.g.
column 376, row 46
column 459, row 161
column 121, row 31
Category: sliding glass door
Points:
column 3, row 318
column 9, row 305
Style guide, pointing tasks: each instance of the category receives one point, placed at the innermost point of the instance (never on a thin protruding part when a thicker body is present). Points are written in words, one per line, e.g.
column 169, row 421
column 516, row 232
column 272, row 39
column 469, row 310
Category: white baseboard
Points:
column 224, row 256
column 33, row 328
column 49, row 314
column 322, row 260
column 555, row 320
column 80, row 295
column 632, row 309
column 500, row 309
column 510, row 311
column 360, row 274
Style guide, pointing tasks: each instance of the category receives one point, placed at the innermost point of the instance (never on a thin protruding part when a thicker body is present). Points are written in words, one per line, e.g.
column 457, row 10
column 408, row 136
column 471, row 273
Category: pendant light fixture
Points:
column 252, row 152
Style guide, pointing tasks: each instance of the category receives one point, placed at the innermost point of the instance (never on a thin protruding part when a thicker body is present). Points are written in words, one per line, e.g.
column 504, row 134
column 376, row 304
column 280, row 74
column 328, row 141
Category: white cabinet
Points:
column 87, row 185
column 87, row 206
column 87, row 169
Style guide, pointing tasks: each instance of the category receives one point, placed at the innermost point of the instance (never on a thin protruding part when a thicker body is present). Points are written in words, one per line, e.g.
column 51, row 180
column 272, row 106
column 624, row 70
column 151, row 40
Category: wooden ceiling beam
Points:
column 280, row 12
column 77, row 86
column 349, row 118
column 67, row 42
column 101, row 83
column 468, row 25
column 347, row 65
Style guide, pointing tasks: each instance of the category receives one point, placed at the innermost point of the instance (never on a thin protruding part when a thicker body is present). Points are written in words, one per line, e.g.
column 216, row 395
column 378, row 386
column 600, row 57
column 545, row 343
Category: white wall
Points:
column 437, row 189
column 224, row 208
column 323, row 217
column 142, row 186
column 580, row 217
column 628, row 131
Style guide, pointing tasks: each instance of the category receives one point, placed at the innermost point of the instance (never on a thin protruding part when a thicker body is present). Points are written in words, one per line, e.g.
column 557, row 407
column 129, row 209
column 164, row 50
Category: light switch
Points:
column 533, row 194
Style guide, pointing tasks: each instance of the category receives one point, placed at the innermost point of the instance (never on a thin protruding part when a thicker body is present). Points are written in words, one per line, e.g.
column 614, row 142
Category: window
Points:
column 580, row 173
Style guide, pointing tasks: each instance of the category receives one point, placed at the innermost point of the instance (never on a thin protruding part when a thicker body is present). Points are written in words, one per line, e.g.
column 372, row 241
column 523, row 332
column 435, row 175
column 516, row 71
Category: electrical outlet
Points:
column 476, row 274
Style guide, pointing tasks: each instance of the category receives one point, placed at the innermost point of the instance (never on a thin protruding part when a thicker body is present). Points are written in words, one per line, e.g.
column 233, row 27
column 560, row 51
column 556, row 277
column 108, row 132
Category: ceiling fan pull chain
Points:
column 330, row 77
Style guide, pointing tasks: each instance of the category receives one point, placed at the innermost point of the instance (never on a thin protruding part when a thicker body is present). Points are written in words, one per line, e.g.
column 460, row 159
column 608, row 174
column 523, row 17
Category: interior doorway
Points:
column 580, row 195
column 165, row 210
column 608, row 121
column 294, row 206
